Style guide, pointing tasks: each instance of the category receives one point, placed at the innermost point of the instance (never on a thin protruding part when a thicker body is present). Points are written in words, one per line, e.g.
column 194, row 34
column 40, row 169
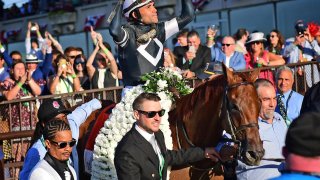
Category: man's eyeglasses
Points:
column 151, row 114
column 62, row 145
column 226, row 45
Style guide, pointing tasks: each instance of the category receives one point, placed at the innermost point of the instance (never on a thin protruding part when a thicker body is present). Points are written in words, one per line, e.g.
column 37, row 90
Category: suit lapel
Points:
column 146, row 147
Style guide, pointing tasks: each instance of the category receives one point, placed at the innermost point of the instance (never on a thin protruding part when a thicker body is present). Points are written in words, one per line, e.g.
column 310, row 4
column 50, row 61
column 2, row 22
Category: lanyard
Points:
column 64, row 82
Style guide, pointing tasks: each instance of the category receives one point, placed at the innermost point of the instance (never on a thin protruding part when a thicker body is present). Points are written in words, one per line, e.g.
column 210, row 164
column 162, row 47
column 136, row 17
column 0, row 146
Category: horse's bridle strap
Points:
column 245, row 126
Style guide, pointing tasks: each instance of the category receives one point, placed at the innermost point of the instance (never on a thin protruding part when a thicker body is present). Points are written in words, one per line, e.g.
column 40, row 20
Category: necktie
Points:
column 156, row 148
column 283, row 110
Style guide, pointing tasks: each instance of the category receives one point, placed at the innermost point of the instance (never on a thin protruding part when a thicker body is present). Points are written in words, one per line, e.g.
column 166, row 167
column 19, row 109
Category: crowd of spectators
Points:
column 33, row 7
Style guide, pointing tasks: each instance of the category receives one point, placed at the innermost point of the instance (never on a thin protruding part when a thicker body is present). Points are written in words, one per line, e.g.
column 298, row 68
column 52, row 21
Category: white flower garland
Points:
column 118, row 124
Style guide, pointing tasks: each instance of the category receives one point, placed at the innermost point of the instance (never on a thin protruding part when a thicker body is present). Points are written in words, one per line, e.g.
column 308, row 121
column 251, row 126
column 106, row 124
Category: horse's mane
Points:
column 207, row 91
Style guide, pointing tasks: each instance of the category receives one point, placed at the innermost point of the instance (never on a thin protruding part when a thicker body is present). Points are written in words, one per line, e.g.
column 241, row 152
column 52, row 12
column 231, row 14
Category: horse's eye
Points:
column 235, row 107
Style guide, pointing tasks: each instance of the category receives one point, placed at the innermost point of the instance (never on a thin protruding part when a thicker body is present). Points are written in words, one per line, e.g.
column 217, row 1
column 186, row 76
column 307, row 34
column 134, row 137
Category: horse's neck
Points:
column 203, row 124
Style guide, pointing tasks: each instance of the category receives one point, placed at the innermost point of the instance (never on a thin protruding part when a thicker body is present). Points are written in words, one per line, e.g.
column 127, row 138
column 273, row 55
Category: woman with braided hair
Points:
column 59, row 142
column 141, row 40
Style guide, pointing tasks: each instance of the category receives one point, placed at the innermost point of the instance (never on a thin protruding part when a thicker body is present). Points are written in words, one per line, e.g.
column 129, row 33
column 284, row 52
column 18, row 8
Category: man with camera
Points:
column 194, row 57
column 299, row 49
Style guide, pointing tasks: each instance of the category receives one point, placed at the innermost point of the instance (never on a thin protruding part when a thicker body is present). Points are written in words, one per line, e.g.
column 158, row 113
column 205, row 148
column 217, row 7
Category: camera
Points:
column 300, row 28
column 62, row 63
column 33, row 27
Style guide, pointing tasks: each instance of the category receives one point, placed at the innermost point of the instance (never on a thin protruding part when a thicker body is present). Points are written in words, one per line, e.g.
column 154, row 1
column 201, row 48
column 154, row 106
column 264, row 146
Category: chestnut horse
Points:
column 227, row 102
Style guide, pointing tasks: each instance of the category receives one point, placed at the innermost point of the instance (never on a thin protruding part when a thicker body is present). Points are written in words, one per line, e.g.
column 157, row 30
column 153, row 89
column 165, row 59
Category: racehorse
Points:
column 226, row 102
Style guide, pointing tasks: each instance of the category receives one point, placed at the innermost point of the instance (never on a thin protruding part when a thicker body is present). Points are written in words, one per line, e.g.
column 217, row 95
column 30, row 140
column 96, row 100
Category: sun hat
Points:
column 257, row 36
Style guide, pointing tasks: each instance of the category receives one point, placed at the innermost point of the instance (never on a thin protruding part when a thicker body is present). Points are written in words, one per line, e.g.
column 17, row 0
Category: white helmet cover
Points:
column 130, row 5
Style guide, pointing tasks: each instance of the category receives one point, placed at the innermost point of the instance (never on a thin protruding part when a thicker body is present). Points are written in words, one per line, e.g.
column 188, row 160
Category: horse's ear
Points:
column 227, row 73
column 254, row 75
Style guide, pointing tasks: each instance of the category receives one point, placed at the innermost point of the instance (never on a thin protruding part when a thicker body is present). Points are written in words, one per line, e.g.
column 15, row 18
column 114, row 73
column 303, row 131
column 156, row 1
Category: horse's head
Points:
column 242, row 107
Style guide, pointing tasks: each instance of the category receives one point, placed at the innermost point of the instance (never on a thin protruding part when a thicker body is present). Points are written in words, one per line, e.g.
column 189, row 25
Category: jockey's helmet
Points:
column 131, row 5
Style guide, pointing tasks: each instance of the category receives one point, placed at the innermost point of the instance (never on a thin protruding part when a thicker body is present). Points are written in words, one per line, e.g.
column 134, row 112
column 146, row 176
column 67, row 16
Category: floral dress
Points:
column 27, row 120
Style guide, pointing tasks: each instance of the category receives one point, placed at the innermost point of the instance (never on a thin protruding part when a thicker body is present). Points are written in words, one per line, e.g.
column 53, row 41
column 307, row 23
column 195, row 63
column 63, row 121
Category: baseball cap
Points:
column 303, row 135
column 50, row 108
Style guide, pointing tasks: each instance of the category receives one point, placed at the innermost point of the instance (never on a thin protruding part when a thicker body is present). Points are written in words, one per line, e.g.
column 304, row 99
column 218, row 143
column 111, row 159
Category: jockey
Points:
column 141, row 40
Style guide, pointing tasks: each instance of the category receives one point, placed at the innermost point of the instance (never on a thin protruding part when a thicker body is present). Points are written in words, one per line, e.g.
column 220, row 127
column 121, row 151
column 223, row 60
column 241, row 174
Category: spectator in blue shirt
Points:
column 291, row 100
column 272, row 130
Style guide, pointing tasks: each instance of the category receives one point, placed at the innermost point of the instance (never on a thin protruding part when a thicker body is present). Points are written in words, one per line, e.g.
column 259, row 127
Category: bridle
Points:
column 234, row 130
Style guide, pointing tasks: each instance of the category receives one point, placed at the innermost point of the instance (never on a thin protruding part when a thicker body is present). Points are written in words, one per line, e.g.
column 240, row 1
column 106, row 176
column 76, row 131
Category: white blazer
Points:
column 43, row 170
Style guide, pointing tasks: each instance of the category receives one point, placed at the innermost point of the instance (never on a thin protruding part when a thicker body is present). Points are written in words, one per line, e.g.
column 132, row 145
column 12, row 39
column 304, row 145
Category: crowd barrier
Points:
column 17, row 126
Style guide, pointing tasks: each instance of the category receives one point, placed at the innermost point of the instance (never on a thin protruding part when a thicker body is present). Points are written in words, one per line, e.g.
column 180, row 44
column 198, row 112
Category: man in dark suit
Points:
column 194, row 57
column 141, row 154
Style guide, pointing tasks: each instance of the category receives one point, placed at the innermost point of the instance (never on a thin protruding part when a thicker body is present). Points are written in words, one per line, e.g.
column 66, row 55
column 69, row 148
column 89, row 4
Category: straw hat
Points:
column 257, row 36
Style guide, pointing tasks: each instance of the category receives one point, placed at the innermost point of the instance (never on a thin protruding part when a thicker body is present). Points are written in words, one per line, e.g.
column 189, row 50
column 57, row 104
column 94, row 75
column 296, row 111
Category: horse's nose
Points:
column 254, row 157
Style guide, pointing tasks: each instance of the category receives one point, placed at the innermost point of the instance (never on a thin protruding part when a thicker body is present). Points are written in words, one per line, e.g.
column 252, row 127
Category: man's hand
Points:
column 190, row 55
column 188, row 74
column 211, row 153
column 299, row 39
column 227, row 153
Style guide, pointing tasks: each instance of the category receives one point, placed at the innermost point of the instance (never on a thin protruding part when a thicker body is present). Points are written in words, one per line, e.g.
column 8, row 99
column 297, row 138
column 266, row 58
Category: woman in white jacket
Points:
column 55, row 165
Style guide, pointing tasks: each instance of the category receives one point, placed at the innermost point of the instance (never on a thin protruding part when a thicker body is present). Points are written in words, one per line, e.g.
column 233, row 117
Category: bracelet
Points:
column 105, row 50
column 20, row 84
column 210, row 38
column 73, row 76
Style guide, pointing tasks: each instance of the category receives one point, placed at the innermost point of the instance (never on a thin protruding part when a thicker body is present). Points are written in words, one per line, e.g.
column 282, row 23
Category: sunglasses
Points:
column 62, row 145
column 272, row 36
column 256, row 42
column 80, row 62
column 151, row 114
column 72, row 57
column 226, row 45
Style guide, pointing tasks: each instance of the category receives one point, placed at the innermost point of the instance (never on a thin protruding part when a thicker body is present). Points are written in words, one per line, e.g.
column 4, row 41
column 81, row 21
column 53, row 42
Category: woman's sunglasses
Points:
column 79, row 62
column 151, row 114
column 256, row 42
column 62, row 145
